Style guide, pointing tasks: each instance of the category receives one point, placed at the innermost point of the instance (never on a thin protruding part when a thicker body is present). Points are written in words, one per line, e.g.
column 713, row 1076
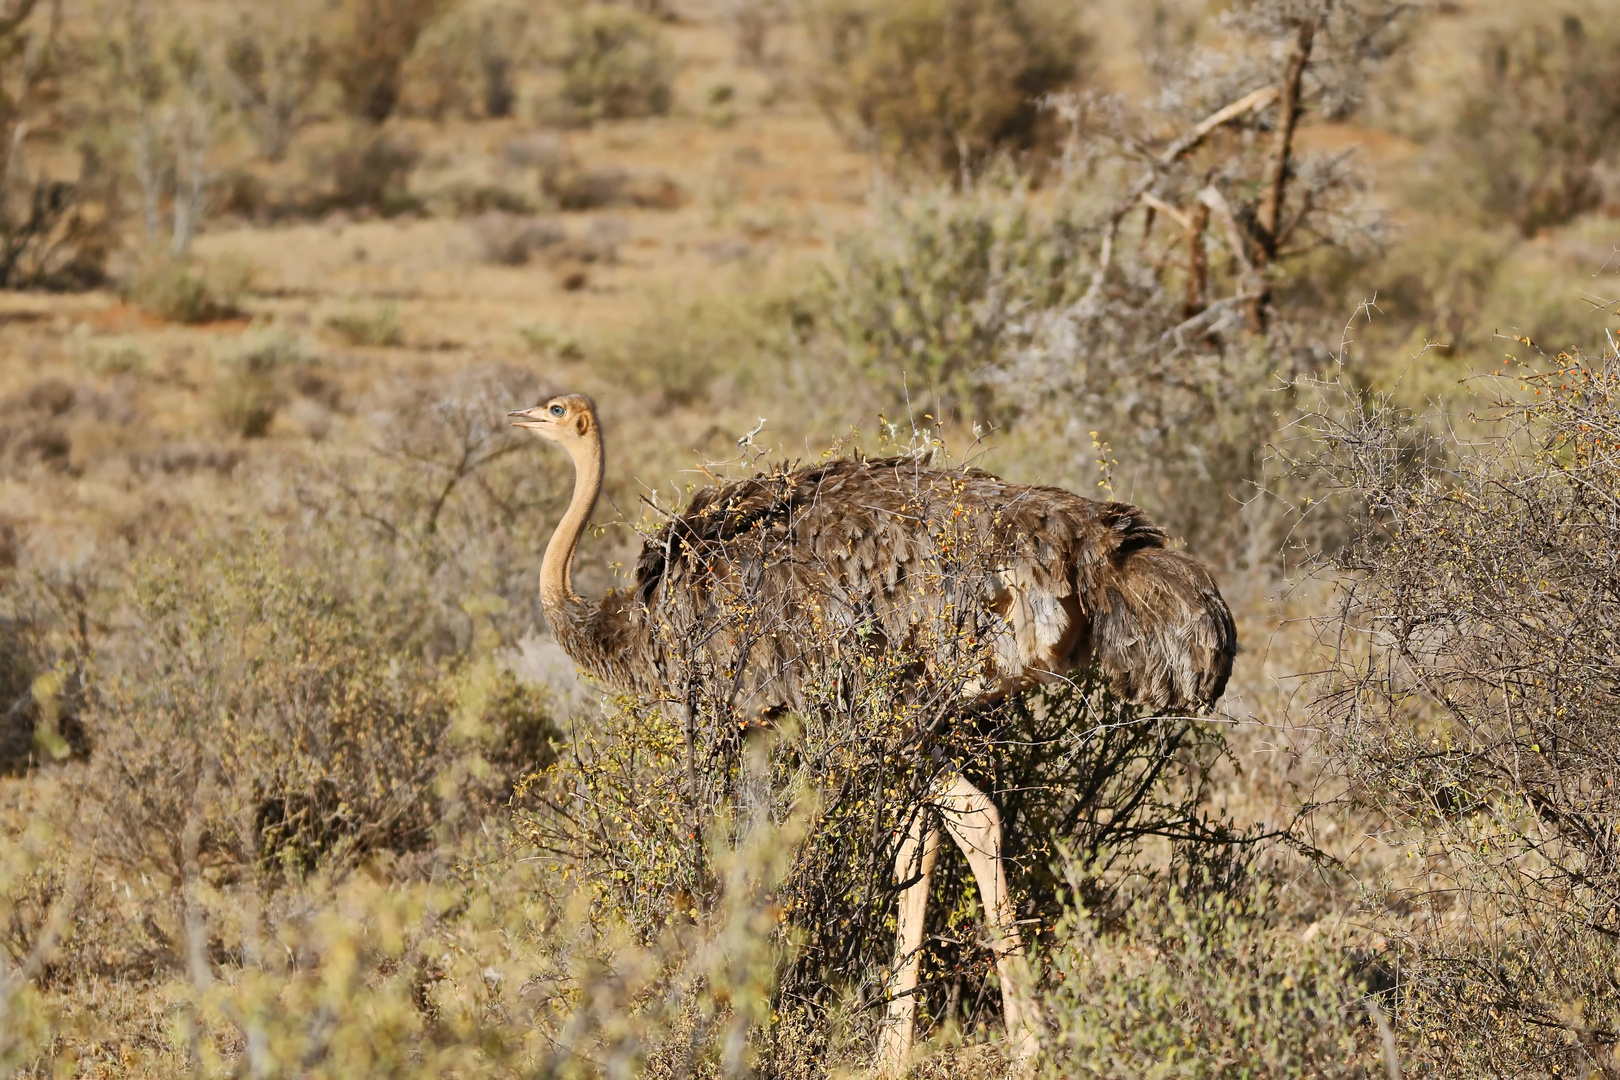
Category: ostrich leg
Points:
column 975, row 824
column 915, row 859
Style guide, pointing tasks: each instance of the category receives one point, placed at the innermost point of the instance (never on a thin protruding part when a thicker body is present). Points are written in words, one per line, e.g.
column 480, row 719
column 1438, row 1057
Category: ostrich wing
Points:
column 759, row 573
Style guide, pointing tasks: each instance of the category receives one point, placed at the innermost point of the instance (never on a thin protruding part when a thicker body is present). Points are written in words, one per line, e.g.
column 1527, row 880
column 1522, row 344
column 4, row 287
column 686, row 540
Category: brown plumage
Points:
column 762, row 577
column 787, row 589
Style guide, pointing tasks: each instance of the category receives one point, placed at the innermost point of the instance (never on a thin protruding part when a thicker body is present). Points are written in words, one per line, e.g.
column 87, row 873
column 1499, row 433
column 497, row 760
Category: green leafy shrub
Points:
column 944, row 84
column 615, row 64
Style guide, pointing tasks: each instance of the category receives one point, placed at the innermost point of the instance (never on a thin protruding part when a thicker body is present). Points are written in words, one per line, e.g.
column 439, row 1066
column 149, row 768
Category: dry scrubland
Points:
column 297, row 784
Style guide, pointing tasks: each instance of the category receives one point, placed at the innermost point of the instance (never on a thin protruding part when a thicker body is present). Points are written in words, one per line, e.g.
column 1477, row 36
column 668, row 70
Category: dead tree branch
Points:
column 1177, row 149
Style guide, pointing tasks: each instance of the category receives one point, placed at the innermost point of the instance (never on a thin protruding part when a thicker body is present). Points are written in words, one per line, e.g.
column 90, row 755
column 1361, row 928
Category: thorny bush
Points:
column 257, row 713
column 303, row 685
column 1474, row 705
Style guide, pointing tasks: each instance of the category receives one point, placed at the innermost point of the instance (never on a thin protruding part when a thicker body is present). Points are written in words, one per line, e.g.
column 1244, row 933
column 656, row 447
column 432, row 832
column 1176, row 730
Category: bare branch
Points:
column 1177, row 149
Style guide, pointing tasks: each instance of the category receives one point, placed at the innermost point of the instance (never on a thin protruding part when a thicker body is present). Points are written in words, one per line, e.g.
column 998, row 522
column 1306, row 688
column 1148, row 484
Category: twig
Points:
column 1175, row 213
column 1392, row 1054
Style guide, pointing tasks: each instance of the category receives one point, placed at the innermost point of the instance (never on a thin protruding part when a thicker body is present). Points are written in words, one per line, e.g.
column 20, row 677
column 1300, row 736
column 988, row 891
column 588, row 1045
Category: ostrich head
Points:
column 569, row 420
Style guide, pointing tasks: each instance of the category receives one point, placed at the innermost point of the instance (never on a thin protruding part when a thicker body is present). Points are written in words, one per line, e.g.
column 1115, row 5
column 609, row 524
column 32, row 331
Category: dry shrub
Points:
column 934, row 301
column 507, row 240
column 377, row 328
column 254, row 377
column 1057, row 318
column 1192, row 985
column 53, row 235
column 34, row 431
column 463, row 501
column 369, row 170
column 615, row 64
column 487, row 970
column 1538, row 118
column 718, row 348
column 246, row 403
column 465, row 63
column 981, row 306
column 369, row 54
column 303, row 702
column 159, row 99
column 258, row 715
column 944, row 84
column 575, row 188
column 1072, row 771
column 42, row 672
column 1474, row 708
column 272, row 69
column 55, row 232
column 181, row 291
column 752, row 21
column 38, row 894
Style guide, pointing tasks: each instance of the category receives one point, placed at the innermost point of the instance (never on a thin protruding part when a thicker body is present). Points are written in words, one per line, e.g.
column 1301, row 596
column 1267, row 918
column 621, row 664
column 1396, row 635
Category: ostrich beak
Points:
column 528, row 418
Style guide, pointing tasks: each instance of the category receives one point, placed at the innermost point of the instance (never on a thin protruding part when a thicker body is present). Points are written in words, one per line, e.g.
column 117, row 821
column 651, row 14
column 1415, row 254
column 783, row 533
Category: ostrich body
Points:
column 847, row 554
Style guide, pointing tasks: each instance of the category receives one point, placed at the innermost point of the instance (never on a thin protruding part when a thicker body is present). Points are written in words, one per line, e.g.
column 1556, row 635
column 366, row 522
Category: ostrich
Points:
column 1072, row 584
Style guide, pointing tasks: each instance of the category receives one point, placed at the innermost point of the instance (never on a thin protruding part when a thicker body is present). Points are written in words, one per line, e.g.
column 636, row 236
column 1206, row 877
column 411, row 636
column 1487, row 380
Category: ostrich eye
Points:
column 556, row 410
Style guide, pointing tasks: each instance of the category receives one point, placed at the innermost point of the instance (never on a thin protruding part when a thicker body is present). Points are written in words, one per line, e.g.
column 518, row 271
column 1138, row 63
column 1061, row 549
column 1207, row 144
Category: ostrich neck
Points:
column 556, row 579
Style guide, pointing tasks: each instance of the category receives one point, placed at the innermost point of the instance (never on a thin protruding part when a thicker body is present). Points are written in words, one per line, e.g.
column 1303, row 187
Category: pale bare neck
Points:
column 556, row 570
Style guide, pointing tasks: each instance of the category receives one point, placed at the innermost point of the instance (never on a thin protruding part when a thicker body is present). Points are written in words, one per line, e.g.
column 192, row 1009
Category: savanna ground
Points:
column 299, row 785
